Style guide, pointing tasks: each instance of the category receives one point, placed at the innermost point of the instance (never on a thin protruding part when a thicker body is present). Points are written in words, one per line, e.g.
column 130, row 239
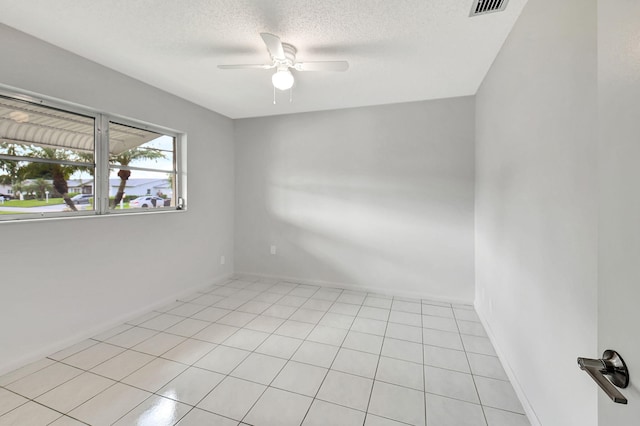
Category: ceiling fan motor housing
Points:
column 289, row 54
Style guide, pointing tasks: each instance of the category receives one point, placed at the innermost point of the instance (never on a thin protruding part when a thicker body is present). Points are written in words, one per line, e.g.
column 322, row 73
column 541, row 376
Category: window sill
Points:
column 83, row 215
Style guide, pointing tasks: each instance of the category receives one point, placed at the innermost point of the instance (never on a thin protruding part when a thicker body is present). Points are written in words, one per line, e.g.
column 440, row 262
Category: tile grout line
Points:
column 424, row 379
column 373, row 383
column 314, row 397
column 484, row 415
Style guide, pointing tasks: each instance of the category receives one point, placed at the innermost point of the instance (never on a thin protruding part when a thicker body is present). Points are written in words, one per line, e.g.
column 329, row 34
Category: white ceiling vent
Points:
column 482, row 7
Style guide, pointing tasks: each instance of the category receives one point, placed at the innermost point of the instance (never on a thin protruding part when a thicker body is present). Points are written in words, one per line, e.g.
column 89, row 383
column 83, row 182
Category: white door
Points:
column 619, row 177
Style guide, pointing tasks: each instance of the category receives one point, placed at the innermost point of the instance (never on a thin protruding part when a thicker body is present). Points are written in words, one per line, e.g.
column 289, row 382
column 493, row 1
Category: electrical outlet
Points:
column 273, row 249
column 222, row 260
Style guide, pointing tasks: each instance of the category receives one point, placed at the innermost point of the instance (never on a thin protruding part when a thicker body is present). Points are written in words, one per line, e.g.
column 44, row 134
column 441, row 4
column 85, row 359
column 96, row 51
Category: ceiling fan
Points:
column 283, row 57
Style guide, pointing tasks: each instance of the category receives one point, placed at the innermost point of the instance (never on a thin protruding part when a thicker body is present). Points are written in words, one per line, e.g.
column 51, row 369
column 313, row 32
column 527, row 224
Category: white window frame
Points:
column 101, row 158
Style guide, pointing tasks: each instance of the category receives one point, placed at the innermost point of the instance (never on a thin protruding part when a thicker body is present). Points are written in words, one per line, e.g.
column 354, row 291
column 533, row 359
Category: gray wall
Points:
column 122, row 265
column 536, row 214
column 378, row 197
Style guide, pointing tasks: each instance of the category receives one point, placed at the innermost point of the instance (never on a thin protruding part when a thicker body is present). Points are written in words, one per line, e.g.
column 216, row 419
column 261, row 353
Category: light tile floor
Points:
column 261, row 352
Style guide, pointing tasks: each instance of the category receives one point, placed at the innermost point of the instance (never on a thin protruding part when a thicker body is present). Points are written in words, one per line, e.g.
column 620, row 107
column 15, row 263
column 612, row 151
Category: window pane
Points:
column 38, row 195
column 142, row 165
column 41, row 131
column 134, row 147
column 46, row 159
column 148, row 190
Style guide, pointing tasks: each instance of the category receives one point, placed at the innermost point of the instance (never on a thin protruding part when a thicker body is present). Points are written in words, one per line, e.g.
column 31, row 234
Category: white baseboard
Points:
column 101, row 328
column 526, row 405
column 357, row 287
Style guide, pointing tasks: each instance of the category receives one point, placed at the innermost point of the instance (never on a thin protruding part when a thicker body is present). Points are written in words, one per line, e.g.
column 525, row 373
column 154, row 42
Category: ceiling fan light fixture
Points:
column 282, row 79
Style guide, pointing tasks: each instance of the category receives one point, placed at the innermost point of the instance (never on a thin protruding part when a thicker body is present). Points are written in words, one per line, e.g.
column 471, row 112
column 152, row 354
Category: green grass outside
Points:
column 32, row 203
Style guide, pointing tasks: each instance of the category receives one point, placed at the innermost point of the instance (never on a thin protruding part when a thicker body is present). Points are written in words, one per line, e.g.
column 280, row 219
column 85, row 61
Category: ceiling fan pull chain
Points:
column 274, row 95
column 291, row 95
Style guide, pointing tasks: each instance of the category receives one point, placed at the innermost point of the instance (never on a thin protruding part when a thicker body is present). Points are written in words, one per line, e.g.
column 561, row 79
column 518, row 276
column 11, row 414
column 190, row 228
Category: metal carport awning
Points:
column 27, row 123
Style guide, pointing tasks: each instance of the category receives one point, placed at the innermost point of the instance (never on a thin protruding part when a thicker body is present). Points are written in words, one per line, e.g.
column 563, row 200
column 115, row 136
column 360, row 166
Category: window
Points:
column 144, row 164
column 58, row 160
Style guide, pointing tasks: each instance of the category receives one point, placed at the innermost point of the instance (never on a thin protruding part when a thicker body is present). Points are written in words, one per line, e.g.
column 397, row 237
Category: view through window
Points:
column 142, row 168
column 58, row 162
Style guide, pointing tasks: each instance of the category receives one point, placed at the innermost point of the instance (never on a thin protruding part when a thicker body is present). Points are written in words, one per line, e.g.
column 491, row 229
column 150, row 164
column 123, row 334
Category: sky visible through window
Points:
column 164, row 143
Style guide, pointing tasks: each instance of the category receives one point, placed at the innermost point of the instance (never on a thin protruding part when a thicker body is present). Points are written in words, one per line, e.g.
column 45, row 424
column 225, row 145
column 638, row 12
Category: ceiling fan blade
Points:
column 274, row 46
column 245, row 66
column 322, row 66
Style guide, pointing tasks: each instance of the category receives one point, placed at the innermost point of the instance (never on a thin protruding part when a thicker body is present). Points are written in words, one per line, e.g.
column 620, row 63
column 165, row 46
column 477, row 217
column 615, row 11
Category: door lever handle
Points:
column 608, row 371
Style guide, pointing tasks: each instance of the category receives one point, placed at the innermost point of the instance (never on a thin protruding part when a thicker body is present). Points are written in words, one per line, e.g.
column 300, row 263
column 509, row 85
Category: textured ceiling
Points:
column 398, row 50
